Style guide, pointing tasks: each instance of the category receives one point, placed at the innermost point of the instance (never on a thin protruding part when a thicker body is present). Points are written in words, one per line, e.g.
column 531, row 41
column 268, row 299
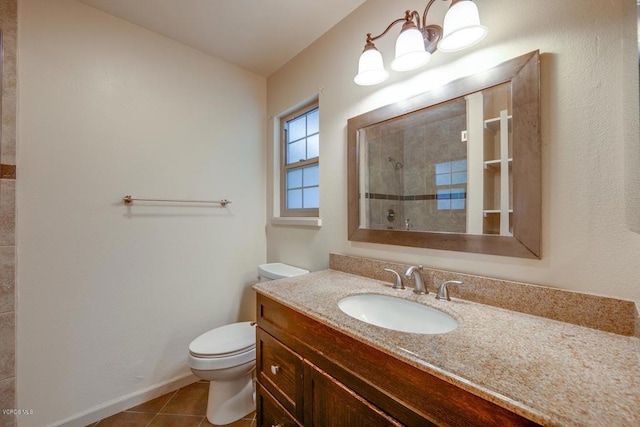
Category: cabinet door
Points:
column 328, row 403
column 279, row 370
column 269, row 412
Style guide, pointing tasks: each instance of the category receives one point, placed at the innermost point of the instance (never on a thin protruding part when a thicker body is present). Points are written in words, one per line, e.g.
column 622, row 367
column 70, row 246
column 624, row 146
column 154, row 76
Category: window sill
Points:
column 297, row 221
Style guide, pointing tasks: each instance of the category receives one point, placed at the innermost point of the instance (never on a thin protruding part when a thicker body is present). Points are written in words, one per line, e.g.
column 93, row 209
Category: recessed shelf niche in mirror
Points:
column 459, row 167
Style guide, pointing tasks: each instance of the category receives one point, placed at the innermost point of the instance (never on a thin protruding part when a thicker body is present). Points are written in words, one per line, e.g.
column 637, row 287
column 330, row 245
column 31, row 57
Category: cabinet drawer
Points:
column 270, row 413
column 280, row 372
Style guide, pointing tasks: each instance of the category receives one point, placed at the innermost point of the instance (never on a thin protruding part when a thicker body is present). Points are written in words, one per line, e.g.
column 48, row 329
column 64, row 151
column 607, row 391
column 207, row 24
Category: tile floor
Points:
column 185, row 407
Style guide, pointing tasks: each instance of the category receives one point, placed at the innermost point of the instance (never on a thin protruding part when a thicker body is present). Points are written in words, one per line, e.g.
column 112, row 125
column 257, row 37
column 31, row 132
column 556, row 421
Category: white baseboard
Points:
column 120, row 404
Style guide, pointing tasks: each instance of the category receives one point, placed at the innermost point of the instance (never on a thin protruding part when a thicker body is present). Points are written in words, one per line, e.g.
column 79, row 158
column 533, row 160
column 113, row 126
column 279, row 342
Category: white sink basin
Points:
column 397, row 314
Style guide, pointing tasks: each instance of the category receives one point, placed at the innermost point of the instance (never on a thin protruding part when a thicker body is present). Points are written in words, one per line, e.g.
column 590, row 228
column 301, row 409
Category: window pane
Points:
column 443, row 167
column 459, row 178
column 444, row 205
column 444, row 194
column 297, row 129
column 311, row 197
column 459, row 165
column 294, row 199
column 312, row 122
column 457, row 204
column 296, row 152
column 444, row 179
column 313, row 146
column 310, row 177
column 294, row 178
column 457, row 193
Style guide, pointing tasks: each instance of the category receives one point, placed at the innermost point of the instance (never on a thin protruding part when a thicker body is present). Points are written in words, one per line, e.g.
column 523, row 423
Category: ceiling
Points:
column 257, row 35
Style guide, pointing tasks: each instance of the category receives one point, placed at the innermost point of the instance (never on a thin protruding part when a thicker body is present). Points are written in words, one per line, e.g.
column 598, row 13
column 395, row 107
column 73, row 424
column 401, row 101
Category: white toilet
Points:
column 226, row 356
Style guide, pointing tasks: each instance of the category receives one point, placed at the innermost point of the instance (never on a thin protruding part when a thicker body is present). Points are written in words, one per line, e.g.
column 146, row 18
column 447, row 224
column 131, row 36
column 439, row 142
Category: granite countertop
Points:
column 551, row 372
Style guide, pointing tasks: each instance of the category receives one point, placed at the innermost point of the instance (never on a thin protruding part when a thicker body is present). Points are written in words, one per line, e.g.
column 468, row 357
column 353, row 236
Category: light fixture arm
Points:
column 418, row 41
column 431, row 33
column 408, row 17
column 426, row 11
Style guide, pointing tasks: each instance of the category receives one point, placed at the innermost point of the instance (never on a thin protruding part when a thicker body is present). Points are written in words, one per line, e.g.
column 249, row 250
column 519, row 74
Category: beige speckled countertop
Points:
column 551, row 372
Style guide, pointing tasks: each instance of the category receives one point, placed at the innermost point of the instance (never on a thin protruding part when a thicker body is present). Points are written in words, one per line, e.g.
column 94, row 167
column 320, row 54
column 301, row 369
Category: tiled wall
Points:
column 8, row 27
column 401, row 166
column 428, row 145
column 385, row 150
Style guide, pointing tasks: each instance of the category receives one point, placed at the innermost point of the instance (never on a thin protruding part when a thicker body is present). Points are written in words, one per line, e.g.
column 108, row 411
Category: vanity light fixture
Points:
column 417, row 40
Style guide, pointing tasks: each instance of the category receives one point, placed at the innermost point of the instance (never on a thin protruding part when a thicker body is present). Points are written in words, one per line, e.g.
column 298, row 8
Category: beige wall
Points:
column 110, row 297
column 589, row 133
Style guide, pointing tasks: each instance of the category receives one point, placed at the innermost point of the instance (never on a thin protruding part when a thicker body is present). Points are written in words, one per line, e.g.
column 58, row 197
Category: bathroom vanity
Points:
column 317, row 366
column 311, row 374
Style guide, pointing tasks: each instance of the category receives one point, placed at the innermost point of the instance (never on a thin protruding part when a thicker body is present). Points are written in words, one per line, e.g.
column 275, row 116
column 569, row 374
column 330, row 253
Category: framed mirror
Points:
column 453, row 169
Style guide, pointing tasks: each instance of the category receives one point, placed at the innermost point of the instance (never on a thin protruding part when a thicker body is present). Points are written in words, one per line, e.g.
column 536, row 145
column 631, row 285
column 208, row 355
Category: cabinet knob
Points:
column 275, row 369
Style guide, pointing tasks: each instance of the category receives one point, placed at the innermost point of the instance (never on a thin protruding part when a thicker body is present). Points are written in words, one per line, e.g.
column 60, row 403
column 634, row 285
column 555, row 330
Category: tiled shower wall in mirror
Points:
column 413, row 164
column 8, row 33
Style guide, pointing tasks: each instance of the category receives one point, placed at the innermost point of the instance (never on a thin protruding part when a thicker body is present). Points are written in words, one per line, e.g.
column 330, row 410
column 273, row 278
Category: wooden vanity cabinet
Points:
column 271, row 413
column 310, row 374
column 292, row 390
column 330, row 403
column 279, row 370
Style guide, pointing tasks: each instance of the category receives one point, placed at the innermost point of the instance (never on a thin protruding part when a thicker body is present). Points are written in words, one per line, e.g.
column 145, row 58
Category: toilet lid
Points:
column 278, row 270
column 224, row 341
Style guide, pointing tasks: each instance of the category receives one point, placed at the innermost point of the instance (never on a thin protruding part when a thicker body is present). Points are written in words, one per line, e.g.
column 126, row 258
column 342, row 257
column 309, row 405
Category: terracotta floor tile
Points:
column 189, row 400
column 239, row 423
column 248, row 421
column 183, row 408
column 127, row 419
column 167, row 420
column 153, row 406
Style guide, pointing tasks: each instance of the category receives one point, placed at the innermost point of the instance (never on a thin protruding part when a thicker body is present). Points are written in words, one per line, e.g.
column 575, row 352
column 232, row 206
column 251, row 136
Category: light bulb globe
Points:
column 410, row 51
column 461, row 27
column 370, row 68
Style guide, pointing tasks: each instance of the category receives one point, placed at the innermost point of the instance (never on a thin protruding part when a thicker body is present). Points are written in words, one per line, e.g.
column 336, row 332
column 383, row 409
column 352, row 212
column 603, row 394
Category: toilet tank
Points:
column 278, row 270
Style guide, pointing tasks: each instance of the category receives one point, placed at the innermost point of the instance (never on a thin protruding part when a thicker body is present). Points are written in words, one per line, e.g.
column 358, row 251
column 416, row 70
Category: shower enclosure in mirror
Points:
column 434, row 174
column 458, row 169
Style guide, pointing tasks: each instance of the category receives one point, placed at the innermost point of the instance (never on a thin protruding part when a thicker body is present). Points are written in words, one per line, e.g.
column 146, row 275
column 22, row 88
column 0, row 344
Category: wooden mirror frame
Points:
column 523, row 75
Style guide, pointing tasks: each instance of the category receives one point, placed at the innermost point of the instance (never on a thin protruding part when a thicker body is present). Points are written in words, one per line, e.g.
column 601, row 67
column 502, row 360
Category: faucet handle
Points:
column 398, row 284
column 443, row 291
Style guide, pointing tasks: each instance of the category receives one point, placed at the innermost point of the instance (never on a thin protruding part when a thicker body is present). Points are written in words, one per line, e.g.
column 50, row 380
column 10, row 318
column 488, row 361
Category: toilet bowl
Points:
column 226, row 357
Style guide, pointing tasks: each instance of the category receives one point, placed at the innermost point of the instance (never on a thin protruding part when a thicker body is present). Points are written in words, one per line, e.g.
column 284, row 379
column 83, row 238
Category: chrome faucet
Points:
column 443, row 291
column 417, row 278
column 398, row 283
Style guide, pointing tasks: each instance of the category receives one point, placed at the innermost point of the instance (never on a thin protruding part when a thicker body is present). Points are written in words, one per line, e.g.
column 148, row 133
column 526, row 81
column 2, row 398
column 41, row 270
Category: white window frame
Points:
column 286, row 213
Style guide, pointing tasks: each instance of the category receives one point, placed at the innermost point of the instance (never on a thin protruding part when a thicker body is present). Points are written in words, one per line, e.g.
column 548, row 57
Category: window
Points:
column 451, row 180
column 300, row 188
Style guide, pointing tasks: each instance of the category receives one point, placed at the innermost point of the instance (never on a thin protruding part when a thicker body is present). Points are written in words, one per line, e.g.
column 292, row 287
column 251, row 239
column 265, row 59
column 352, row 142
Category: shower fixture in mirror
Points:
column 459, row 167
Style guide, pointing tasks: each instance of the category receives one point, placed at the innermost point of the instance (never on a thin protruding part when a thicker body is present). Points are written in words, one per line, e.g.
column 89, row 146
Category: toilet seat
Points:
column 223, row 347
